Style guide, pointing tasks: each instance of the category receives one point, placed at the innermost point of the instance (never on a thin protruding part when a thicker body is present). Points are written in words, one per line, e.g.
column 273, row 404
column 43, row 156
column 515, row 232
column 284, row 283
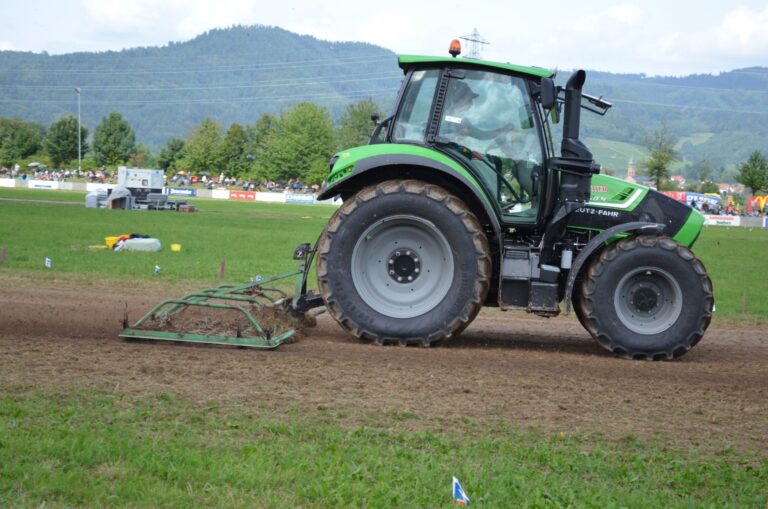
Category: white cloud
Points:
column 743, row 32
column 6, row 46
column 197, row 16
column 626, row 14
column 388, row 28
column 122, row 15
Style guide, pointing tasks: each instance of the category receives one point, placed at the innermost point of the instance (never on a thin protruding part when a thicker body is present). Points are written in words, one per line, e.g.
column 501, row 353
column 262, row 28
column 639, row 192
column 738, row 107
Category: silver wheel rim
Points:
column 402, row 266
column 648, row 300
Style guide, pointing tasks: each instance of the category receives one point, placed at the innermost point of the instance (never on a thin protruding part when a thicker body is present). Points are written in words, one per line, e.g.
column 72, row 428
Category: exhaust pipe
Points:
column 572, row 147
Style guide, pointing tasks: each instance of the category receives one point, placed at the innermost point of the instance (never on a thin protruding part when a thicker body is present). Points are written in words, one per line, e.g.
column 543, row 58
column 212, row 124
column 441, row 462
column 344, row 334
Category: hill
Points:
column 230, row 75
column 236, row 74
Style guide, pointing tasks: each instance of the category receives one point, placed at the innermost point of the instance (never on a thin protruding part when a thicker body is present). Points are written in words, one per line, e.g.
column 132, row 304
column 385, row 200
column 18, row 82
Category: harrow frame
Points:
column 241, row 298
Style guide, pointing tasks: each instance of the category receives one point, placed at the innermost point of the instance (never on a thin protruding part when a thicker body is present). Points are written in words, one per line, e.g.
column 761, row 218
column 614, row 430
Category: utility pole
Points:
column 79, row 136
column 475, row 41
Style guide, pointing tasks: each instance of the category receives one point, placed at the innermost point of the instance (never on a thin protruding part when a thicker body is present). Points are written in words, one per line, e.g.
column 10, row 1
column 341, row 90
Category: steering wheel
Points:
column 503, row 145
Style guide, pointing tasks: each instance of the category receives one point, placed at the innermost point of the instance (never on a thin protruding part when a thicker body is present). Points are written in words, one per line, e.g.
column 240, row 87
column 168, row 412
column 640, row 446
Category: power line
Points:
column 213, row 69
column 249, row 84
column 683, row 107
column 693, row 87
column 380, row 92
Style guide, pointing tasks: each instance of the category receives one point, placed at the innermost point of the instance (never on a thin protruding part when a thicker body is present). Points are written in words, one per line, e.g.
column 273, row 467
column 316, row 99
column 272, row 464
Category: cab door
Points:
column 488, row 121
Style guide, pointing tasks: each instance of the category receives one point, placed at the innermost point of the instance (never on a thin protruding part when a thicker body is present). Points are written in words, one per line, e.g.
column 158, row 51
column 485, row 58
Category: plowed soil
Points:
column 534, row 373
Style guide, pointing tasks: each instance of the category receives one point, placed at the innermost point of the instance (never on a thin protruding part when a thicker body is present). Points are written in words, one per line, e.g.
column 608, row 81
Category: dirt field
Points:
column 534, row 373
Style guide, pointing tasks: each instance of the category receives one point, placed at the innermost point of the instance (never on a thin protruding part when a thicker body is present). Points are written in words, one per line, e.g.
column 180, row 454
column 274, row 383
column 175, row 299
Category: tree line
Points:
column 752, row 173
column 297, row 143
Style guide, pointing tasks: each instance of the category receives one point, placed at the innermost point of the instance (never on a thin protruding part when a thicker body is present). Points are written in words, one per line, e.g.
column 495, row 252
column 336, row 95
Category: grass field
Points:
column 250, row 238
column 96, row 448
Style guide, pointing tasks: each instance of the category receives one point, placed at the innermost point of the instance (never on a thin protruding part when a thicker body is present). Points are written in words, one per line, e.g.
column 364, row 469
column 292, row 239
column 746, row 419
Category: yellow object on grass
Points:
column 176, row 248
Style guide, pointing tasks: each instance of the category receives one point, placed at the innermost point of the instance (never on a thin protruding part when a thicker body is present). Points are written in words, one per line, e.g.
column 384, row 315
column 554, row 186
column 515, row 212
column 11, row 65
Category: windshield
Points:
column 413, row 117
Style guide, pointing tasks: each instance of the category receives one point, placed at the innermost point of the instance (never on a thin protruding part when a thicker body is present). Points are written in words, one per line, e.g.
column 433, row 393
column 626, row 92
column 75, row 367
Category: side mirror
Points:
column 375, row 118
column 548, row 95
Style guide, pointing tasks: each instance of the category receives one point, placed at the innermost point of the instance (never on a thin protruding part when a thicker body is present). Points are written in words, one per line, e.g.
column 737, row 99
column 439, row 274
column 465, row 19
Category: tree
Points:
column 141, row 157
column 662, row 153
column 18, row 140
column 754, row 173
column 232, row 151
column 355, row 125
column 61, row 141
column 256, row 145
column 201, row 153
column 301, row 141
column 113, row 140
column 171, row 154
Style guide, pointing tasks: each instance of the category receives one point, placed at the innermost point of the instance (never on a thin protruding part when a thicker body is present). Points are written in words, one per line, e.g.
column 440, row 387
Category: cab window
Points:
column 413, row 118
column 488, row 121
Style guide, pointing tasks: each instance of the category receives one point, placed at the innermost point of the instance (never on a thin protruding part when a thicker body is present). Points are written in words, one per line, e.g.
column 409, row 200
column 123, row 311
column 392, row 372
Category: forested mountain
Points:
column 230, row 75
column 721, row 118
column 236, row 74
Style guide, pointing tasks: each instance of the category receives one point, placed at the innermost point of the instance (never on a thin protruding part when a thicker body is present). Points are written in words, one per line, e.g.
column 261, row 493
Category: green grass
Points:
column 736, row 261
column 41, row 194
column 95, row 449
column 252, row 238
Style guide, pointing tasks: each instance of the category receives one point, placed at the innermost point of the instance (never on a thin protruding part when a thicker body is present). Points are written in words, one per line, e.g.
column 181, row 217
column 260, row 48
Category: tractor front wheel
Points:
column 647, row 297
column 403, row 261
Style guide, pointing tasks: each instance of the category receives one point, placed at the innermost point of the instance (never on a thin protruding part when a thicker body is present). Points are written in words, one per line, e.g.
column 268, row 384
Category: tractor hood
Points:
column 615, row 201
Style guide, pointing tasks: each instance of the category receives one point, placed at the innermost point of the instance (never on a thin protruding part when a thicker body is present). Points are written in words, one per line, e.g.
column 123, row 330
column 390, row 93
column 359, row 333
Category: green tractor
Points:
column 459, row 201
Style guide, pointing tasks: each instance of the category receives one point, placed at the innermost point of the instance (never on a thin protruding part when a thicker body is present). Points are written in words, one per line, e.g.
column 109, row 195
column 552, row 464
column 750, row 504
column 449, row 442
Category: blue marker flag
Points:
column 458, row 493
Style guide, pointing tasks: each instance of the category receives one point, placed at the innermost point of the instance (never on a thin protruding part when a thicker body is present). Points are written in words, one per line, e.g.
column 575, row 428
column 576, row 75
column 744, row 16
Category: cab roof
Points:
column 406, row 61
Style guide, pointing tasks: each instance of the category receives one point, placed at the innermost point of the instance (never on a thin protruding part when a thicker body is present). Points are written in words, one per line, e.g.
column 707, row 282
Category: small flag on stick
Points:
column 458, row 494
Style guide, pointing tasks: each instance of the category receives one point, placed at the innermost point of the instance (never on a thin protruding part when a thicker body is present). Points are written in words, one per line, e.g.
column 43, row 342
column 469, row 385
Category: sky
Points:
column 654, row 37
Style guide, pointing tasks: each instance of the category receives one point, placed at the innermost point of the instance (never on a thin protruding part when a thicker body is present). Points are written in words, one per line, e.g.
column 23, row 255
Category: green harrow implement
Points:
column 249, row 302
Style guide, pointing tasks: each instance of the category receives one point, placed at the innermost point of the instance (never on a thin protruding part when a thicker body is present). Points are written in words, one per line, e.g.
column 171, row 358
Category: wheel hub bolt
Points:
column 403, row 266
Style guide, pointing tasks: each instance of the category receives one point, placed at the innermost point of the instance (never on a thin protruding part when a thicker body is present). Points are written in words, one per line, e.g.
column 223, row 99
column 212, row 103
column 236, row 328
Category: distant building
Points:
column 679, row 179
column 725, row 188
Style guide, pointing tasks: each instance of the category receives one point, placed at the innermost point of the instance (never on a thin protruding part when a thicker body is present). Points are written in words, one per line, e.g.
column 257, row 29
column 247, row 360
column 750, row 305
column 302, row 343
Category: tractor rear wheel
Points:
column 647, row 297
column 403, row 261
column 577, row 303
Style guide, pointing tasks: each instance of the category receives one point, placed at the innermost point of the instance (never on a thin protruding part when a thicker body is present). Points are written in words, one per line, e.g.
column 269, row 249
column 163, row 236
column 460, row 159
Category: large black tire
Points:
column 647, row 297
column 403, row 261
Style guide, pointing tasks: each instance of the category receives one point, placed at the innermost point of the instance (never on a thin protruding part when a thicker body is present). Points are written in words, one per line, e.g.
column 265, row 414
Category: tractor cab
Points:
column 486, row 117
column 485, row 120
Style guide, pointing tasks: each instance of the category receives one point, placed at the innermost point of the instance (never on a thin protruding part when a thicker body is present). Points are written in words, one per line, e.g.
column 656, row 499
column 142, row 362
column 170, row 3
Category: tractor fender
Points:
column 378, row 168
column 597, row 243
